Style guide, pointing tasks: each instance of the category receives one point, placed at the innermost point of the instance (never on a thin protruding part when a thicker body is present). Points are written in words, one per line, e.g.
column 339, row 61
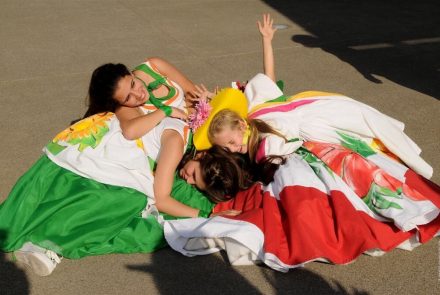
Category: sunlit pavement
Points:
column 384, row 54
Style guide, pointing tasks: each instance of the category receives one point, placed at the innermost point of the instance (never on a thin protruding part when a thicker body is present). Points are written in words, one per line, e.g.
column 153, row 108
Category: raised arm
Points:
column 267, row 32
column 192, row 91
column 171, row 153
column 167, row 69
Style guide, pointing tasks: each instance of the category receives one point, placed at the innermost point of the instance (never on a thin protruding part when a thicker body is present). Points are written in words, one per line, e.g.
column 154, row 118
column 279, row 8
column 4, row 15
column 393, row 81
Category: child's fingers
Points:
column 232, row 212
column 198, row 89
column 194, row 97
column 203, row 87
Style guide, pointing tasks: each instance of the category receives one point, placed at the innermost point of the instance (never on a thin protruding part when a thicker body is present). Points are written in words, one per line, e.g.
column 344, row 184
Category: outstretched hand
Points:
column 199, row 93
column 266, row 28
column 202, row 92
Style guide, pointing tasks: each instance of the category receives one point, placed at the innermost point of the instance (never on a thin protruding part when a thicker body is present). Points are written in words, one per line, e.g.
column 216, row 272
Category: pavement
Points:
column 384, row 53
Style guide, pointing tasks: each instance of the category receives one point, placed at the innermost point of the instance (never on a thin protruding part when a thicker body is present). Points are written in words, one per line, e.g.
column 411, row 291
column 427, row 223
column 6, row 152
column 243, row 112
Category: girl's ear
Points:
column 243, row 125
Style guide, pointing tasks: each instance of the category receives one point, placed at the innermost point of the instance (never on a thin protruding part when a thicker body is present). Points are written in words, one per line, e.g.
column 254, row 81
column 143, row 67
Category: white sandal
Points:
column 40, row 260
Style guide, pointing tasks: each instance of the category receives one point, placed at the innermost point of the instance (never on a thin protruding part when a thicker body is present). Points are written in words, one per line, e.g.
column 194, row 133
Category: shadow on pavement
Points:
column 174, row 273
column 303, row 281
column 398, row 40
column 12, row 279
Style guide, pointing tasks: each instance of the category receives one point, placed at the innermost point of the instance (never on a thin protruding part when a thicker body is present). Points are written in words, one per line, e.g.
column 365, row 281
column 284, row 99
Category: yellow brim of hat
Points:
column 227, row 98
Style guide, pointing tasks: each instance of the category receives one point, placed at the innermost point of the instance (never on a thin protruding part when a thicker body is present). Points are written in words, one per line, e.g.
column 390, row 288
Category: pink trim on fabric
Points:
column 281, row 108
column 261, row 154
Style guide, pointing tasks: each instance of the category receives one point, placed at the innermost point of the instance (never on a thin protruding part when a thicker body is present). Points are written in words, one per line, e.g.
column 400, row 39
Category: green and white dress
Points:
column 91, row 192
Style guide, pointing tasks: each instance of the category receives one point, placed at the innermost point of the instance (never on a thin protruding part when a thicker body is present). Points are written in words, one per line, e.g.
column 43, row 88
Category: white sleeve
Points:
column 174, row 124
column 260, row 89
column 273, row 145
column 151, row 141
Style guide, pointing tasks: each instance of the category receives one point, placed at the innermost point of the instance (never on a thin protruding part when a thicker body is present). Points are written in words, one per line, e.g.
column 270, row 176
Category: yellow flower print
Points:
column 87, row 133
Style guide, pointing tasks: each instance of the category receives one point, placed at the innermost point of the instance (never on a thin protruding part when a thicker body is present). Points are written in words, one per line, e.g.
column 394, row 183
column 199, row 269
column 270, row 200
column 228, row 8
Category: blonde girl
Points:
column 324, row 141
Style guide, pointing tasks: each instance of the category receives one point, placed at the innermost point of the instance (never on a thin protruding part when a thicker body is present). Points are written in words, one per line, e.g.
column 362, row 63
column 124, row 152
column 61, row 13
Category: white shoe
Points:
column 40, row 260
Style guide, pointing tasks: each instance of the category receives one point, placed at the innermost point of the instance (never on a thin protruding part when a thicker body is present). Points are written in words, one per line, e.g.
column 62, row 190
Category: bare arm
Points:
column 174, row 74
column 192, row 92
column 171, row 153
column 267, row 32
column 135, row 124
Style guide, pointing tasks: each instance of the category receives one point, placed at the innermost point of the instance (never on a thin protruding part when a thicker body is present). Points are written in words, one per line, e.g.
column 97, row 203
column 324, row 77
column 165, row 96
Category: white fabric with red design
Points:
column 340, row 193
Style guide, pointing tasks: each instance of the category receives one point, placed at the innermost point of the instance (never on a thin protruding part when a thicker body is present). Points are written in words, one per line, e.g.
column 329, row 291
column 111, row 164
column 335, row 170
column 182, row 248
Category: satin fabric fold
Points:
column 76, row 216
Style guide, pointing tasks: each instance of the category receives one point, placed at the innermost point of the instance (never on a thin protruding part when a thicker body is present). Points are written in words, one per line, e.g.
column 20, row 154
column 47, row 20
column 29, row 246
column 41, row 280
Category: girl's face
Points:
column 130, row 92
column 192, row 173
column 232, row 139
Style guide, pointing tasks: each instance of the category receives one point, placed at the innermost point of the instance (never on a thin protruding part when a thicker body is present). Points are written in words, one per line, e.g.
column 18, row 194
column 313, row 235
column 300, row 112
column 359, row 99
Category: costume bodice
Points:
column 175, row 96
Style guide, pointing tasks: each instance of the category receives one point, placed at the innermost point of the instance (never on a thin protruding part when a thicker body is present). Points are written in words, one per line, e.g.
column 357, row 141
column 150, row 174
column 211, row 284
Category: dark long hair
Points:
column 224, row 173
column 102, row 88
column 265, row 169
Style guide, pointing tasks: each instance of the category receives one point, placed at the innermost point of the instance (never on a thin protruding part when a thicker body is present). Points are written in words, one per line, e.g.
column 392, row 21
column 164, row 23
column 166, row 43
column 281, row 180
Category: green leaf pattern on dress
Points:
column 356, row 145
column 381, row 198
column 315, row 163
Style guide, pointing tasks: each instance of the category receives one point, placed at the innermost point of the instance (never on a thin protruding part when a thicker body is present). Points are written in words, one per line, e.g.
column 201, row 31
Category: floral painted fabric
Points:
column 353, row 183
column 95, row 148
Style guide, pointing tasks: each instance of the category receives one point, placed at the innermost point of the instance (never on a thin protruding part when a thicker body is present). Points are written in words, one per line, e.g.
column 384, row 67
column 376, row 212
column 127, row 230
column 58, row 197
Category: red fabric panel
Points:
column 306, row 224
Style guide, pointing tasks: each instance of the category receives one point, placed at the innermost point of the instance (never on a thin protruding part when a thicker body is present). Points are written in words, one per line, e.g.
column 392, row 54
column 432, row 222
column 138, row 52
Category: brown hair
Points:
column 102, row 87
column 223, row 173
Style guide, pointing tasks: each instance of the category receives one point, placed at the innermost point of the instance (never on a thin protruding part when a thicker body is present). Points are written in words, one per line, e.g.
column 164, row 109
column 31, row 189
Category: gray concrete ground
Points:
column 384, row 54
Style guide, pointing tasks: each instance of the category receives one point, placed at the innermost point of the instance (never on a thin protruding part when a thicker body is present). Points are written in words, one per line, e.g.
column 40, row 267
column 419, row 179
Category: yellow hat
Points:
column 227, row 98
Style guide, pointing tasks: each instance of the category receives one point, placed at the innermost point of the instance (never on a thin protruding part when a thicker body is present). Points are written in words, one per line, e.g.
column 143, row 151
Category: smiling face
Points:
column 231, row 139
column 192, row 174
column 130, row 92
column 229, row 131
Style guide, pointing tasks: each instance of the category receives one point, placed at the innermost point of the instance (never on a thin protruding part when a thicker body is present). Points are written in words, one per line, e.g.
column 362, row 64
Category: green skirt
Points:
column 75, row 216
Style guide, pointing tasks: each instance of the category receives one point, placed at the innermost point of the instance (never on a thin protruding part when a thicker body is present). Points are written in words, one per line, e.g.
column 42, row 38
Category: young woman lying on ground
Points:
column 106, row 183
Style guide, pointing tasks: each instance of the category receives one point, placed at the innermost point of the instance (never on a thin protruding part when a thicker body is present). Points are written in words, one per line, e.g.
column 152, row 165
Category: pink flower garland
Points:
column 202, row 111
